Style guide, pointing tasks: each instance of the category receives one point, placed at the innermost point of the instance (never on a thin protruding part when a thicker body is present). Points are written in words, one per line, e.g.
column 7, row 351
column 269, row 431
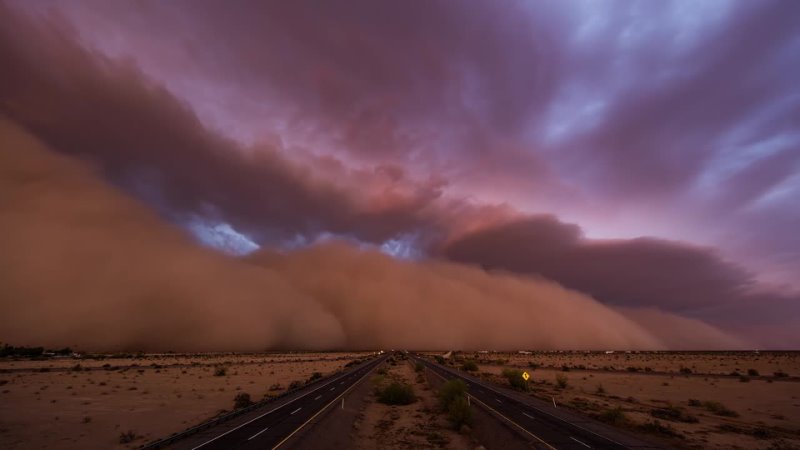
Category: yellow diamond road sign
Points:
column 525, row 376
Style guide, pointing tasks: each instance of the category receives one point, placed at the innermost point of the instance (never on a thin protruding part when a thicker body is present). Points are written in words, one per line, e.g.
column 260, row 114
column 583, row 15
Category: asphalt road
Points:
column 271, row 428
column 545, row 427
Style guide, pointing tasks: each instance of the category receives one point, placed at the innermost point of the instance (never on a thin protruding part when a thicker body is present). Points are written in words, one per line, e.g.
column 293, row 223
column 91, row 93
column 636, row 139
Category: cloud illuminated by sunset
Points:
column 636, row 162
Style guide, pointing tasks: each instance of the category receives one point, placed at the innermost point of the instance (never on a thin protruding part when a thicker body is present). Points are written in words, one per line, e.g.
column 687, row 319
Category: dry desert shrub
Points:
column 561, row 381
column 396, row 394
column 469, row 366
column 514, row 377
column 127, row 437
column 242, row 400
column 453, row 400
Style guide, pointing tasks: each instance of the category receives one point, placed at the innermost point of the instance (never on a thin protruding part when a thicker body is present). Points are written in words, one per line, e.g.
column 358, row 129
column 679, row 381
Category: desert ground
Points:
column 718, row 400
column 91, row 403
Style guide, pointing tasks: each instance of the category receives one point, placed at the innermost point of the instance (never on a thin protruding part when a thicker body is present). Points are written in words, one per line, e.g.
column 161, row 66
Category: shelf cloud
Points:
column 544, row 175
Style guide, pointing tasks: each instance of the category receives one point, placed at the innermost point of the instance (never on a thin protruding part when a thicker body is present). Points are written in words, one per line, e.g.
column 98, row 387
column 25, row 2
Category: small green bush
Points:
column 242, row 400
column 719, row 409
column 451, row 390
column 396, row 394
column 514, row 377
column 453, row 400
column 674, row 414
column 656, row 427
column 469, row 366
column 127, row 437
column 314, row 376
column 439, row 359
column 459, row 413
column 614, row 416
column 220, row 371
column 419, row 367
column 752, row 372
column 561, row 381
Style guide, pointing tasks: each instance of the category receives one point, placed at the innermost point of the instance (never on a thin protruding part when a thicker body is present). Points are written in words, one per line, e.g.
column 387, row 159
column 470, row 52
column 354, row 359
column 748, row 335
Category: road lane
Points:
column 547, row 430
column 273, row 427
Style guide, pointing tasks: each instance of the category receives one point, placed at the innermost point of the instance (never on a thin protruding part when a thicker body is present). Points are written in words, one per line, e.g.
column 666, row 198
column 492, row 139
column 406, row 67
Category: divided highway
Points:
column 546, row 427
column 271, row 428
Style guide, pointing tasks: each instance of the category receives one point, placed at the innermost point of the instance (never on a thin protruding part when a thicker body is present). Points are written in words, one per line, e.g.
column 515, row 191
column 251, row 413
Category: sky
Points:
column 529, row 174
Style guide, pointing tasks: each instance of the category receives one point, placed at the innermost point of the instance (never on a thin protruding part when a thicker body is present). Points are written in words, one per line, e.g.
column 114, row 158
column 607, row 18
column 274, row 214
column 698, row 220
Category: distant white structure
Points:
column 524, row 352
column 608, row 352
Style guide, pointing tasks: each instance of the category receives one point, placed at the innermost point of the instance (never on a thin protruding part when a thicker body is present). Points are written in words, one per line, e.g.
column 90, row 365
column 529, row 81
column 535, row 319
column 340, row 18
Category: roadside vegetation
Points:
column 514, row 377
column 128, row 437
column 469, row 366
column 314, row 376
column 714, row 407
column 32, row 352
column 561, row 381
column 674, row 414
column 396, row 393
column 242, row 400
column 601, row 384
column 453, row 401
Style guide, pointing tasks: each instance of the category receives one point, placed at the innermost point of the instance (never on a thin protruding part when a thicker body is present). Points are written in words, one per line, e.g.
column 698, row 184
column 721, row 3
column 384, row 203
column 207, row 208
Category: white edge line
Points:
column 545, row 412
column 503, row 416
column 253, row 436
column 579, row 442
column 269, row 412
column 322, row 409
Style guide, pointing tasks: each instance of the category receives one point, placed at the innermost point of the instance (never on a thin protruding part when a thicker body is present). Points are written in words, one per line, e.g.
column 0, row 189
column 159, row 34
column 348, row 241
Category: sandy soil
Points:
column 168, row 360
column 89, row 409
column 766, row 410
column 414, row 426
column 712, row 363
